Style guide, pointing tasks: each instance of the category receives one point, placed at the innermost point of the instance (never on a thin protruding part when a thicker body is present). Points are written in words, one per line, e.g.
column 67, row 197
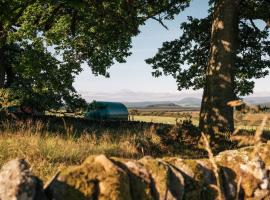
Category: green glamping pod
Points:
column 106, row 111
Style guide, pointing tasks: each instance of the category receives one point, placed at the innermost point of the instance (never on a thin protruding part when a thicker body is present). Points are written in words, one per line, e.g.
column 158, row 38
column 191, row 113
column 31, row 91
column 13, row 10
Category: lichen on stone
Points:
column 97, row 178
column 241, row 174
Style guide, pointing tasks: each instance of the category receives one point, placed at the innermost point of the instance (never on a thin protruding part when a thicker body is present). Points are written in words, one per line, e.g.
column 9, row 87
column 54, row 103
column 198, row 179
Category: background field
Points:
column 247, row 121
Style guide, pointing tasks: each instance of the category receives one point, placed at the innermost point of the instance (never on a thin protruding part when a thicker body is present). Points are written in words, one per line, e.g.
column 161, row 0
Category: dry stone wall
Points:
column 242, row 174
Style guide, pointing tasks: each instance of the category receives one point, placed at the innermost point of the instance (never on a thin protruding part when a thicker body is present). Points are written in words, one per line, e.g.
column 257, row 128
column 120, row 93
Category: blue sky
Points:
column 134, row 76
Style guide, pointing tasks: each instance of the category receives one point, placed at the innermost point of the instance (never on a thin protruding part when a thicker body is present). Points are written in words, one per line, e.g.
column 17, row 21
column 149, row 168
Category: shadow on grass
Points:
column 182, row 139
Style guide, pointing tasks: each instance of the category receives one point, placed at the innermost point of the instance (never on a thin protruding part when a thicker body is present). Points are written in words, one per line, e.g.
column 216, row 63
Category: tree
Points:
column 222, row 54
column 98, row 33
column 41, row 81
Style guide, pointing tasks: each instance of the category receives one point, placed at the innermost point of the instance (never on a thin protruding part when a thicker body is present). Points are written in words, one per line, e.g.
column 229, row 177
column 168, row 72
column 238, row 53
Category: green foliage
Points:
column 8, row 98
column 98, row 33
column 44, row 42
column 40, row 80
column 186, row 58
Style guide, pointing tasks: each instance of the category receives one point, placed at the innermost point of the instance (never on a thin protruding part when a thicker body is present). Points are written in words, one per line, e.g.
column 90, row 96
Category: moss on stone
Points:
column 96, row 178
column 164, row 179
column 159, row 174
column 140, row 179
column 168, row 178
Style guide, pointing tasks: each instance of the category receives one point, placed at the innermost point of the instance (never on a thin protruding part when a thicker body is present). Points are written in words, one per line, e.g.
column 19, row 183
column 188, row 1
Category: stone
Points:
column 140, row 180
column 167, row 181
column 96, row 178
column 240, row 173
column 254, row 175
column 261, row 194
column 18, row 183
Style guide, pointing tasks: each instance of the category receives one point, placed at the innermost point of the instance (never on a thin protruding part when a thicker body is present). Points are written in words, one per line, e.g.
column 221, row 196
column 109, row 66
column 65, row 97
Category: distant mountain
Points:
column 143, row 99
column 144, row 104
column 135, row 96
column 185, row 102
column 189, row 102
column 164, row 105
column 257, row 100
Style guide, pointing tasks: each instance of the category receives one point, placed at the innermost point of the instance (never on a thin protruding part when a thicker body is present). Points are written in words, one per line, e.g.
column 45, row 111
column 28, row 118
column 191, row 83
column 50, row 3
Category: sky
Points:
column 133, row 81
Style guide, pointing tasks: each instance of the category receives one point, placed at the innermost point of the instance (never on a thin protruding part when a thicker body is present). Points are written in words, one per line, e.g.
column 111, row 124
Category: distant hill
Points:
column 185, row 102
column 258, row 100
column 164, row 105
column 189, row 102
column 144, row 104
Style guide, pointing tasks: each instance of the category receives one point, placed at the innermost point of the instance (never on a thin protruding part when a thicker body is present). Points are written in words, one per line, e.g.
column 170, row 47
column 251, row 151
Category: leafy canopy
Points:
column 186, row 58
column 44, row 42
column 96, row 32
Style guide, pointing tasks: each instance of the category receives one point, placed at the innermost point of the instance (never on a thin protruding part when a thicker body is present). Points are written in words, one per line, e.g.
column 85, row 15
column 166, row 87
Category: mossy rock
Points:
column 168, row 183
column 198, row 176
column 97, row 178
column 171, row 178
column 140, row 179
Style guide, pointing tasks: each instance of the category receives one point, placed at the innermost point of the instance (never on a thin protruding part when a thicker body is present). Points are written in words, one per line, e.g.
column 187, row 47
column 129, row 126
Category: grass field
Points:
column 161, row 119
column 49, row 143
column 48, row 150
column 248, row 121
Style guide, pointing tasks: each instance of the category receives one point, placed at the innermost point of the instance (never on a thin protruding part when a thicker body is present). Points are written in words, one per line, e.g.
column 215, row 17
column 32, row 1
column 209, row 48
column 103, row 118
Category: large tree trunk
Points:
column 216, row 115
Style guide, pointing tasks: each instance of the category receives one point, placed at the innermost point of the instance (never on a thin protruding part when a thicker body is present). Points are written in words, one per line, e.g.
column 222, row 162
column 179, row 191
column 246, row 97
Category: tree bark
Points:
column 216, row 115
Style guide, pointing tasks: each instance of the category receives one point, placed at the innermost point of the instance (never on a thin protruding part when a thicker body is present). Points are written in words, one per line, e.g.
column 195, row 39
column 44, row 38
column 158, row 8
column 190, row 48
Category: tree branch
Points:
column 254, row 26
column 162, row 9
column 50, row 20
column 159, row 20
column 256, row 11
column 20, row 12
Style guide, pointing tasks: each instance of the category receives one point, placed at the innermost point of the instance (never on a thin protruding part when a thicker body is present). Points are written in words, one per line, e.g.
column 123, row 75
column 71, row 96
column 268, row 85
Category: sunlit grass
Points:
column 248, row 122
column 161, row 119
column 48, row 151
column 49, row 145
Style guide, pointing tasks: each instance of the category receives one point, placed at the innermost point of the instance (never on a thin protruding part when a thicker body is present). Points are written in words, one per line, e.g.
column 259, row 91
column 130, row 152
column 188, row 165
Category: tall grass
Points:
column 49, row 143
column 215, row 167
column 256, row 142
column 48, row 150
